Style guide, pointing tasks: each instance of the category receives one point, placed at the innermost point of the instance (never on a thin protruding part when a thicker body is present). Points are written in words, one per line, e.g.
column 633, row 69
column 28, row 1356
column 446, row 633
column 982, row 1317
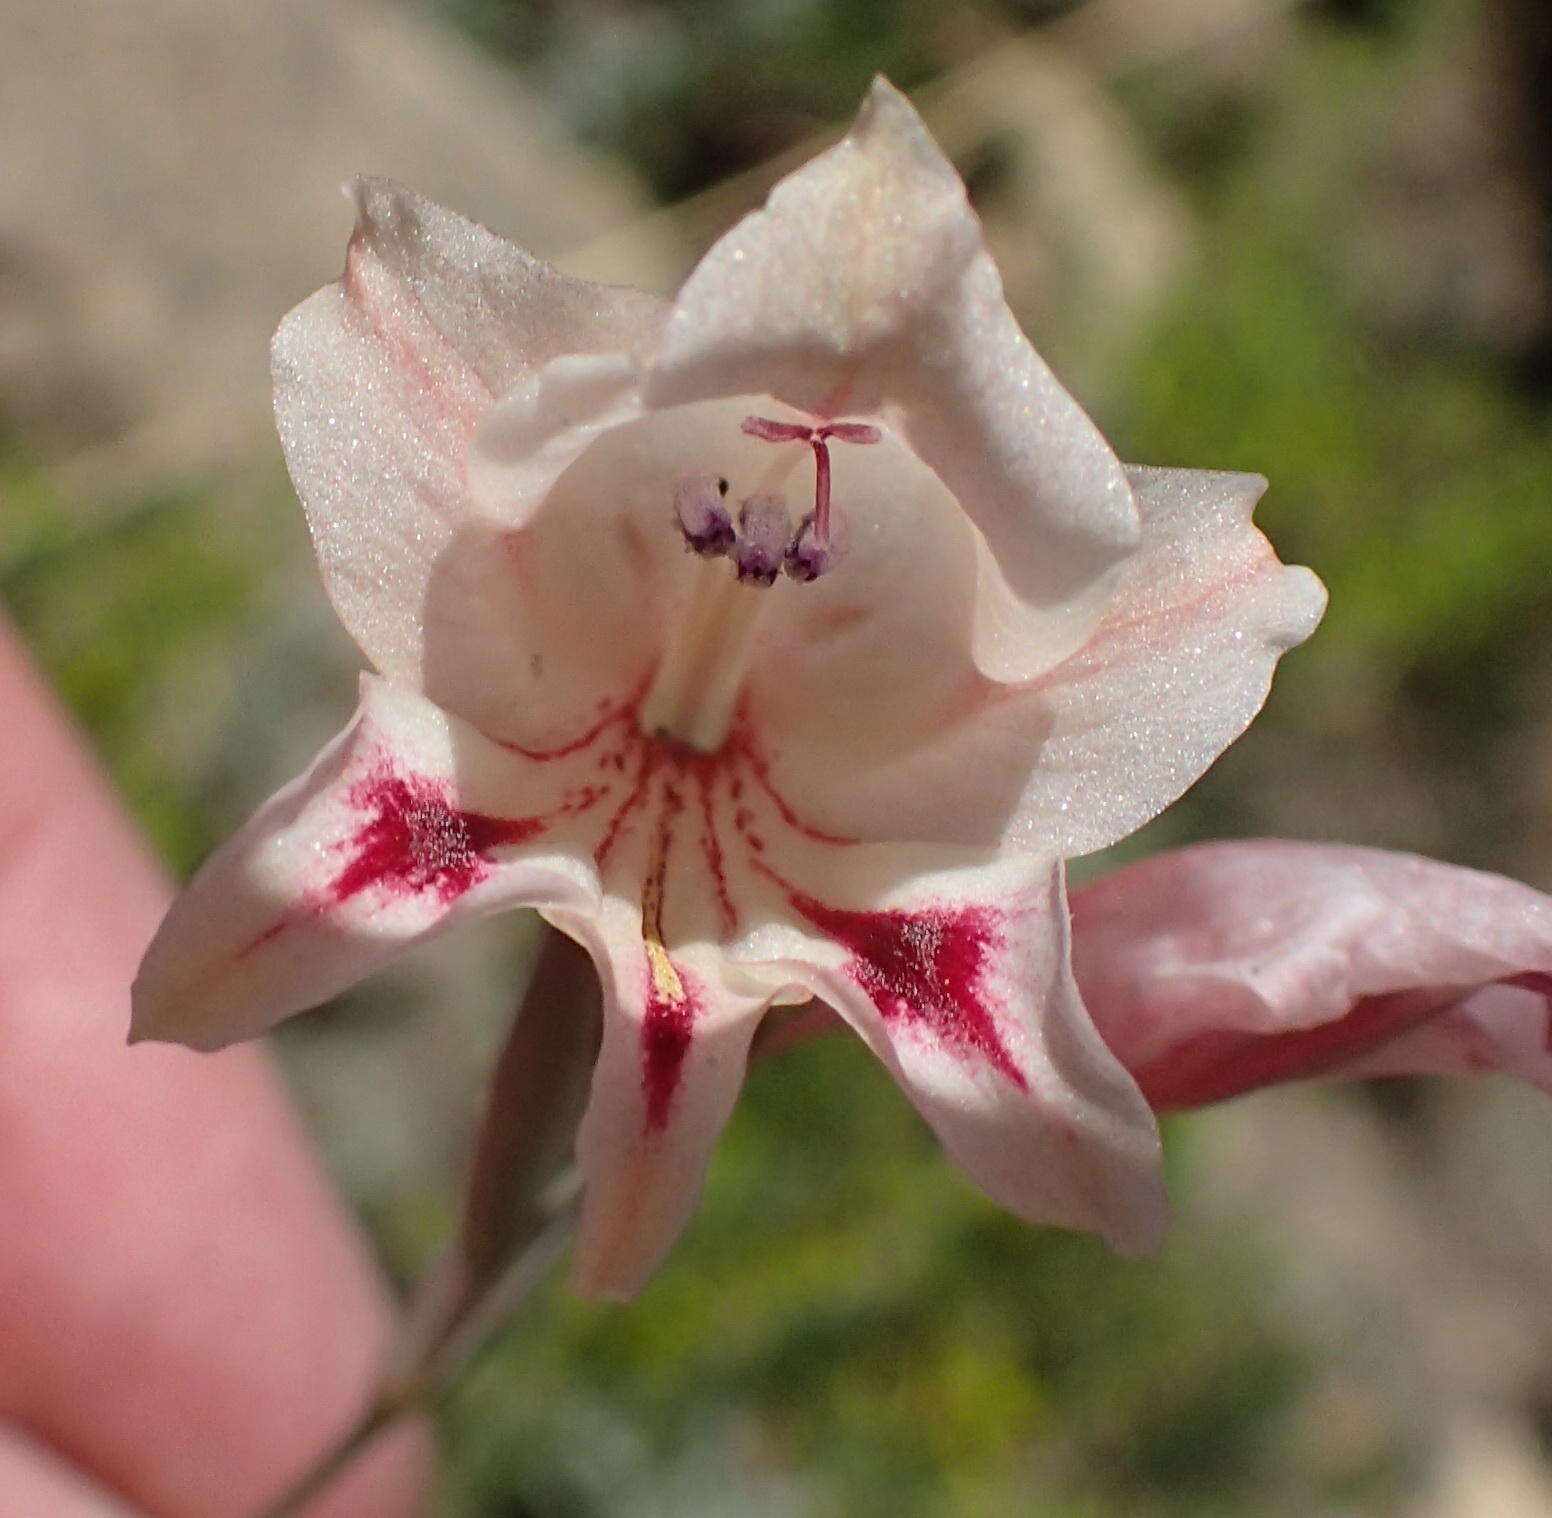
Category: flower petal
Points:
column 408, row 821
column 1173, row 674
column 381, row 379
column 864, row 288
column 676, row 1043
column 958, row 979
column 1217, row 969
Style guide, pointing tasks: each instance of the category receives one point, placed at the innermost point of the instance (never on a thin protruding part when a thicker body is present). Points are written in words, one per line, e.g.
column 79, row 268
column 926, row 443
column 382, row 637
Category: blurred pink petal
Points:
column 1216, row 969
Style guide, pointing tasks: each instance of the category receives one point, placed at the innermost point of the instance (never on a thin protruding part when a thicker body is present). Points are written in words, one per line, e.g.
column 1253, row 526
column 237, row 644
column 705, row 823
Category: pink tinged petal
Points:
column 1173, row 674
column 1181, row 663
column 676, row 1044
column 1504, row 1027
column 408, row 822
column 1215, row 970
column 381, row 379
column 864, row 288
column 963, row 990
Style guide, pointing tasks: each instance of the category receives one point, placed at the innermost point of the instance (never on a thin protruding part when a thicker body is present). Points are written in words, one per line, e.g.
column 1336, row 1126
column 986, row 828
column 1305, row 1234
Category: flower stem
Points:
column 518, row 1212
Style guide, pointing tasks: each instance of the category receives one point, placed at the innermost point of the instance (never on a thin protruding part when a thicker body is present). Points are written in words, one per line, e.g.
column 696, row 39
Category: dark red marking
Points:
column 923, row 968
column 1539, row 981
column 666, row 1034
column 414, row 840
column 668, row 1022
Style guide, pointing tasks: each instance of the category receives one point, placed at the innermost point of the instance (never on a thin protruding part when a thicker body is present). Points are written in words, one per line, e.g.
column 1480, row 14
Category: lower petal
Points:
column 959, row 980
column 408, row 821
column 675, row 1047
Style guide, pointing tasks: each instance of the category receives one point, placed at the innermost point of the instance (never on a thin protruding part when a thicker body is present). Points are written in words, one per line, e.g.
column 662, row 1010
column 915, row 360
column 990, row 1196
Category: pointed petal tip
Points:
column 369, row 193
column 887, row 116
column 145, row 1026
column 156, row 1018
column 883, row 94
column 379, row 204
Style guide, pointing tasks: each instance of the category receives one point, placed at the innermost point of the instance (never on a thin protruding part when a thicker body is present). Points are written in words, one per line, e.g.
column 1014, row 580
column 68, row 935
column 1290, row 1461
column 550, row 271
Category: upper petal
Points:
column 1216, row 969
column 381, row 379
column 1087, row 753
column 864, row 287
column 407, row 822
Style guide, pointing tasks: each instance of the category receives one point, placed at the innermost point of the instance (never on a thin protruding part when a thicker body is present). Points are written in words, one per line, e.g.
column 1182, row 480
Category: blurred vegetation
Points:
column 847, row 1329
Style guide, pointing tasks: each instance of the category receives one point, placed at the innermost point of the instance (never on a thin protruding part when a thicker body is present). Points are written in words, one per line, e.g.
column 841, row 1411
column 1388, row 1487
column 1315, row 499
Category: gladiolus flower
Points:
column 777, row 642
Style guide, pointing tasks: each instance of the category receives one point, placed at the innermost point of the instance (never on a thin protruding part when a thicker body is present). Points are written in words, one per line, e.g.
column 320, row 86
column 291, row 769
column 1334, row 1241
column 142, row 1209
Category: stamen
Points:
column 705, row 522
column 810, row 552
column 764, row 530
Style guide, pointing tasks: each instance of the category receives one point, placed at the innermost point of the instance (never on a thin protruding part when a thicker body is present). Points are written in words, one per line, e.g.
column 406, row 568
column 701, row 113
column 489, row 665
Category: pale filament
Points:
column 694, row 695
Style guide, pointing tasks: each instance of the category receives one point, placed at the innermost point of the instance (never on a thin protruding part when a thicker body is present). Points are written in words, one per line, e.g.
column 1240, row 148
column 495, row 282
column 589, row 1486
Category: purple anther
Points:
column 806, row 559
column 704, row 520
column 777, row 432
column 764, row 530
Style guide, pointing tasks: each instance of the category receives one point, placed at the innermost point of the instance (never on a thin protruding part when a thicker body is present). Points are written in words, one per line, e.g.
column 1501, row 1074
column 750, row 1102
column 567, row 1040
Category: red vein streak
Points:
column 745, row 748
column 711, row 846
column 651, row 754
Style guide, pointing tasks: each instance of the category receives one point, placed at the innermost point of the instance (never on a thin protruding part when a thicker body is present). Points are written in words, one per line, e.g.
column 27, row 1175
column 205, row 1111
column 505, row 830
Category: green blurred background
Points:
column 1312, row 240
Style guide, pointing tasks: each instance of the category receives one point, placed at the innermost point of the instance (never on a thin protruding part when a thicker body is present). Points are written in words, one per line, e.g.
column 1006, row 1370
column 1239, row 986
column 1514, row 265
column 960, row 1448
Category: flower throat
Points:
column 695, row 693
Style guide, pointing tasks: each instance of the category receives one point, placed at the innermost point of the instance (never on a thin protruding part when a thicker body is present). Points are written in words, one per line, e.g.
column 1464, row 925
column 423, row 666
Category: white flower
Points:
column 555, row 517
